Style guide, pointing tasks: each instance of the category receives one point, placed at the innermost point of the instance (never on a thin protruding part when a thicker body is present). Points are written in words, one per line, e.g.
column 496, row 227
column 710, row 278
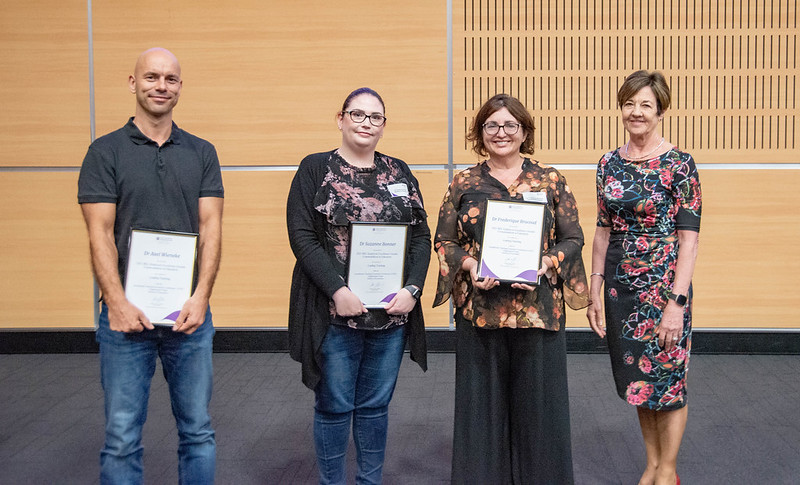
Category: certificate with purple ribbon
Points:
column 160, row 273
column 376, row 263
column 512, row 241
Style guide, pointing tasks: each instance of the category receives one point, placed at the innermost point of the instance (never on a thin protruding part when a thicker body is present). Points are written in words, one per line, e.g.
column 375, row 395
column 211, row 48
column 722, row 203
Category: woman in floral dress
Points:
column 512, row 404
column 350, row 355
column 644, row 250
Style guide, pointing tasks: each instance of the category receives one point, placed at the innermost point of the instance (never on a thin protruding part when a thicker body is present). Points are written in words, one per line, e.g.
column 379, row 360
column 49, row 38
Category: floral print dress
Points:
column 645, row 204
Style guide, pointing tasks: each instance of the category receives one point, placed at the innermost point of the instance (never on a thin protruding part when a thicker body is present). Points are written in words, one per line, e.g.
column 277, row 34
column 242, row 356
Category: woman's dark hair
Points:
column 359, row 92
column 496, row 103
column 642, row 79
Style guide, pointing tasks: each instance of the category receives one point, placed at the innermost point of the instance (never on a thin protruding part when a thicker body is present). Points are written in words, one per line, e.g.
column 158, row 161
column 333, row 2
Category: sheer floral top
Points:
column 459, row 236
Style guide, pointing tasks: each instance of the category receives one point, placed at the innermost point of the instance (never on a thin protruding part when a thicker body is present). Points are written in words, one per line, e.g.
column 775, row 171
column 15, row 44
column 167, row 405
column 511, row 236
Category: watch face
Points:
column 679, row 299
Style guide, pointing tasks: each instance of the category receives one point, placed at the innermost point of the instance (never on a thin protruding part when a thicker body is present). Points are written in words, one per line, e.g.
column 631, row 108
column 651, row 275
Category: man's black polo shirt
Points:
column 153, row 187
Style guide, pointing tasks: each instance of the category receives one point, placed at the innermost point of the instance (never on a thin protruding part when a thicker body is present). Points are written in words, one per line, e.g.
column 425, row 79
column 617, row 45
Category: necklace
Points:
column 642, row 157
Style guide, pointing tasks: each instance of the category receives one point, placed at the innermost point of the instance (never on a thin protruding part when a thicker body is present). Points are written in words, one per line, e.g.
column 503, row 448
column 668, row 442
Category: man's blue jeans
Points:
column 127, row 365
column 359, row 373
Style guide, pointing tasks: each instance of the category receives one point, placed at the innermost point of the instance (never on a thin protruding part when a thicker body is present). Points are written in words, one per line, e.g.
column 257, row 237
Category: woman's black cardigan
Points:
column 315, row 279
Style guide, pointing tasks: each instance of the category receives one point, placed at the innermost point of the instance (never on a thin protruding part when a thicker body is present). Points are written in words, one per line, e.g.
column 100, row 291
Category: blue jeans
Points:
column 127, row 365
column 359, row 373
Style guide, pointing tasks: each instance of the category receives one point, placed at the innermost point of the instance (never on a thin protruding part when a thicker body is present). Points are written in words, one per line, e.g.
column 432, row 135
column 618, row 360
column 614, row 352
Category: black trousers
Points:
column 512, row 407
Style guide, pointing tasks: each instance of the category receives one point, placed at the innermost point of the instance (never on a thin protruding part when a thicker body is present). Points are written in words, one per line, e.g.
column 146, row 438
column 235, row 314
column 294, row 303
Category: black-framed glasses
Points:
column 358, row 116
column 510, row 128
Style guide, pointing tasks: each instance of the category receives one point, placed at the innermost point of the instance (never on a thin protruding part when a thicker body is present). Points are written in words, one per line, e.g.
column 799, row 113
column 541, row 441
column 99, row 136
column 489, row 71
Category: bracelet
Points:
column 598, row 274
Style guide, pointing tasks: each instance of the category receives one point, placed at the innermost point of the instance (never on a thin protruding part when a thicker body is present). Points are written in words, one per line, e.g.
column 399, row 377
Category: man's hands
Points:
column 192, row 315
column 124, row 317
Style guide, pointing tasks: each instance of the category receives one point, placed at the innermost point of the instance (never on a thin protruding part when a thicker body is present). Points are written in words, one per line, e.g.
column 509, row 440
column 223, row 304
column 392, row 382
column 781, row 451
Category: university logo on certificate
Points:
column 160, row 273
column 511, row 251
column 376, row 262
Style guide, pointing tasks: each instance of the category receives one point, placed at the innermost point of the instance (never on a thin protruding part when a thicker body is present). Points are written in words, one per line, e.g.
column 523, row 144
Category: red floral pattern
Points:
column 638, row 392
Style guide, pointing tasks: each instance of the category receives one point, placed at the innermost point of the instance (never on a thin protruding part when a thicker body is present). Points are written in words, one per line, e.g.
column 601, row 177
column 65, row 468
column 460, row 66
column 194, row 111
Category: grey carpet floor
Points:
column 744, row 423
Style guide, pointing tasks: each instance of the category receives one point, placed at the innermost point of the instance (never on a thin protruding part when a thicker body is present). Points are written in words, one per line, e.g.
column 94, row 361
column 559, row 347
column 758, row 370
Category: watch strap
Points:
column 415, row 292
column 679, row 299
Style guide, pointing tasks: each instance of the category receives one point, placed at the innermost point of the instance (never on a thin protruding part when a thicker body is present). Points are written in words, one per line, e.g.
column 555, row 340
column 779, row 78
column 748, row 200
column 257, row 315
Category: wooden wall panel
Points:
column 732, row 67
column 748, row 271
column 582, row 184
column 433, row 184
column 45, row 101
column 252, row 288
column 46, row 278
column 263, row 80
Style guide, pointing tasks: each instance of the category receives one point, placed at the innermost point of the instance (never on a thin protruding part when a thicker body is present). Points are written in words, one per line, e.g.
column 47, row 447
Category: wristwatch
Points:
column 679, row 299
column 415, row 292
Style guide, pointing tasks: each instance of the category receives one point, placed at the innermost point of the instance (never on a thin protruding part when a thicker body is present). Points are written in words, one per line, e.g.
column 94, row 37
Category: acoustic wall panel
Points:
column 732, row 67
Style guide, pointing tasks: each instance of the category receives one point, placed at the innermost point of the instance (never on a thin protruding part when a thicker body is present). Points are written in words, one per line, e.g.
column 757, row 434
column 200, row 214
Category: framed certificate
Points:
column 512, row 241
column 160, row 273
column 376, row 262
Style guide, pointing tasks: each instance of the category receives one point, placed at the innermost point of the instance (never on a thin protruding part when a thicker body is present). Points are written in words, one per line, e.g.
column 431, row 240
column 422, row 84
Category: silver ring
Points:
column 674, row 338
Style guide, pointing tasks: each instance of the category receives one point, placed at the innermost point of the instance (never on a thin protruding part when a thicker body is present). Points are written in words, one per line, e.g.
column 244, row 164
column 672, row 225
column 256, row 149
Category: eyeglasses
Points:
column 358, row 116
column 509, row 128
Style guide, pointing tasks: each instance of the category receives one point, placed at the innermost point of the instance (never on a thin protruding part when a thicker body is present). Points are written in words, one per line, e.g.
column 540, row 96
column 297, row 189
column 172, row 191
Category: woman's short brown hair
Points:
column 496, row 103
column 642, row 79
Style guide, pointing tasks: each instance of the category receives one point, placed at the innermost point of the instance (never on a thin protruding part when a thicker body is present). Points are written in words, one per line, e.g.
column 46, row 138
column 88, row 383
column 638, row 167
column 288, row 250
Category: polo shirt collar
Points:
column 136, row 135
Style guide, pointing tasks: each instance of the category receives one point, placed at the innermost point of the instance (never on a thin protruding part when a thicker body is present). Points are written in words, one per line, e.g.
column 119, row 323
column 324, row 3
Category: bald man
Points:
column 152, row 175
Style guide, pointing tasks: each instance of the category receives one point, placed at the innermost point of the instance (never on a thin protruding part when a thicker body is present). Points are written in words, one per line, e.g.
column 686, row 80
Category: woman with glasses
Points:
column 511, row 409
column 351, row 355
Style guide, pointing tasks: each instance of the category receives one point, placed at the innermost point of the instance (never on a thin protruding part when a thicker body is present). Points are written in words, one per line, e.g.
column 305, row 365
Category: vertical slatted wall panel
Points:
column 731, row 64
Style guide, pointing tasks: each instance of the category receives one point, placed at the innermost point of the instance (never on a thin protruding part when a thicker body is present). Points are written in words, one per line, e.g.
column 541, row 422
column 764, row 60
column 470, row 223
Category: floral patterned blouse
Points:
column 459, row 236
column 371, row 194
